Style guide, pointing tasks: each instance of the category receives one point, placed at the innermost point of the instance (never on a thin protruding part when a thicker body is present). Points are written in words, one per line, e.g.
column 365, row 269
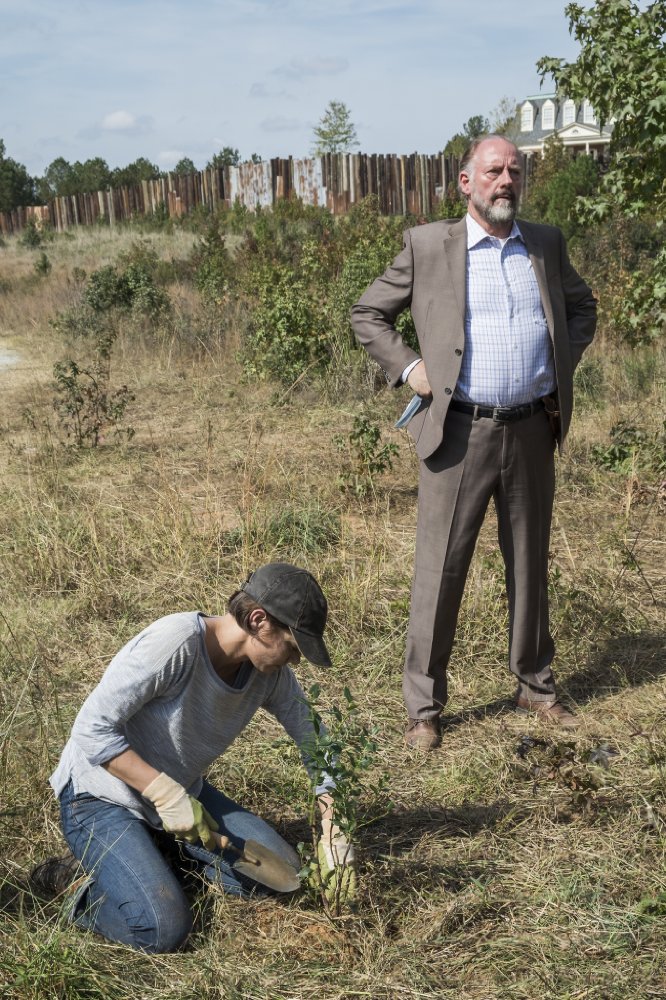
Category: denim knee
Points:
column 158, row 923
column 168, row 931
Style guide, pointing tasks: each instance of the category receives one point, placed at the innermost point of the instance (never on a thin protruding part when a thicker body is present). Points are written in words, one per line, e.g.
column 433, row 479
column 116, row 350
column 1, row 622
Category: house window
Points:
column 589, row 116
column 568, row 113
column 548, row 115
column 526, row 117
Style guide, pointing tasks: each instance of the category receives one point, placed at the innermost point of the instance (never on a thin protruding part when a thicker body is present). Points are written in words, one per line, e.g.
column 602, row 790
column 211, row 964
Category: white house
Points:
column 574, row 123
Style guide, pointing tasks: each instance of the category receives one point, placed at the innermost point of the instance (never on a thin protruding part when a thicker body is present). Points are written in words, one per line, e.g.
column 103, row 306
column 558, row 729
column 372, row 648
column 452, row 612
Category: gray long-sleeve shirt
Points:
column 161, row 697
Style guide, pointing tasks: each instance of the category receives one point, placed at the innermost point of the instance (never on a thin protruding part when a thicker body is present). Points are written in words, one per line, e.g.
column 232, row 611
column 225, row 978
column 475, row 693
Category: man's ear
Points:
column 256, row 619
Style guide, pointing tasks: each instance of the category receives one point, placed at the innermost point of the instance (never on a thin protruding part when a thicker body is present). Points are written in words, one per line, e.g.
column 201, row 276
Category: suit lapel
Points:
column 455, row 250
column 535, row 251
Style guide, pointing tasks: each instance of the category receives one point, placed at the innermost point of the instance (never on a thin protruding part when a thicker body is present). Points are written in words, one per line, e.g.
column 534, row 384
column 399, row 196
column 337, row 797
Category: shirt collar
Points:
column 476, row 233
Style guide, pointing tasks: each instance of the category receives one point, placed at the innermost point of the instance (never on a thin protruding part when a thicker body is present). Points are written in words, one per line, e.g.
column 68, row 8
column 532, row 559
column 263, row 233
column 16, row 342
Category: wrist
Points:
column 163, row 791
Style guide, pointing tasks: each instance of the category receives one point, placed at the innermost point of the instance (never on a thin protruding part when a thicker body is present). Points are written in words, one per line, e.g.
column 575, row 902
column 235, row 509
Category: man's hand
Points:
column 336, row 863
column 418, row 380
column 181, row 814
column 336, row 847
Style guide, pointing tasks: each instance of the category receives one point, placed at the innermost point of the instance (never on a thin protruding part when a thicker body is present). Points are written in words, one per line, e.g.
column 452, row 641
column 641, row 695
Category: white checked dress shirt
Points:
column 508, row 357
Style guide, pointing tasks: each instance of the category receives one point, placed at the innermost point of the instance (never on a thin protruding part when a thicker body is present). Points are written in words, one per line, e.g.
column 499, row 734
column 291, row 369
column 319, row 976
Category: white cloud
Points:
column 119, row 121
column 125, row 123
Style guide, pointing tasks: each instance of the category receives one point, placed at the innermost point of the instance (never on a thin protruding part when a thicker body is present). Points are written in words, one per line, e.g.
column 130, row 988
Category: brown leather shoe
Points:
column 553, row 713
column 423, row 734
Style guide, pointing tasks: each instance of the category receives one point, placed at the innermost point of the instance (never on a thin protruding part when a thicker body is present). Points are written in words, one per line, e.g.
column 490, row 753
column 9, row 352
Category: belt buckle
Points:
column 501, row 414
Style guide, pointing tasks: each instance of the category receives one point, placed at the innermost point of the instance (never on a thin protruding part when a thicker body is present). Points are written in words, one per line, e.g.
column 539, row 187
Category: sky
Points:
column 163, row 79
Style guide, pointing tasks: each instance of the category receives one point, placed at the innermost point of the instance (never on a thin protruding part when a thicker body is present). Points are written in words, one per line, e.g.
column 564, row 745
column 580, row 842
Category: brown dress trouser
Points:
column 512, row 462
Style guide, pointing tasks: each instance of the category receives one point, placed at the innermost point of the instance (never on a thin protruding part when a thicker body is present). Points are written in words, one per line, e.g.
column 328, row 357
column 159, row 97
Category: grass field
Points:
column 496, row 867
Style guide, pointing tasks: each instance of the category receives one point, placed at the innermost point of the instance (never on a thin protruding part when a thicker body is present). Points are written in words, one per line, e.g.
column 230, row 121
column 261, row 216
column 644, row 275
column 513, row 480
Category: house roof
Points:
column 576, row 131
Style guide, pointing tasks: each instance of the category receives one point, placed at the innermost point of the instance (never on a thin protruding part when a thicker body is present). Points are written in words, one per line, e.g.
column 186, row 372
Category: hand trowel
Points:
column 261, row 864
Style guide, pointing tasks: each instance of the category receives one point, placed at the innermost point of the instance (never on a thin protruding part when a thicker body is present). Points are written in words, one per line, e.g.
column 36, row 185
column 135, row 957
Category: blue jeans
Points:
column 132, row 894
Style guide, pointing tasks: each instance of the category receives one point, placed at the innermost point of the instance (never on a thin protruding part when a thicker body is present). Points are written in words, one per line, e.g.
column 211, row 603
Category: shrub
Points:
column 31, row 236
column 558, row 180
column 632, row 449
column 42, row 265
column 211, row 262
column 107, row 289
column 643, row 317
column 298, row 271
column 365, row 262
column 366, row 457
column 624, row 263
column 287, row 337
column 85, row 404
column 345, row 749
column 132, row 286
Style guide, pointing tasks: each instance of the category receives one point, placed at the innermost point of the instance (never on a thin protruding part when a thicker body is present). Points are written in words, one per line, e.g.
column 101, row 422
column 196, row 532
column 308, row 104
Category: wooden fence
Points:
column 413, row 184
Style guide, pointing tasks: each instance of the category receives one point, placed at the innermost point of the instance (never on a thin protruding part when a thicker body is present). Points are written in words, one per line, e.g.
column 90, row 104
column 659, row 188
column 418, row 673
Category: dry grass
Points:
column 489, row 873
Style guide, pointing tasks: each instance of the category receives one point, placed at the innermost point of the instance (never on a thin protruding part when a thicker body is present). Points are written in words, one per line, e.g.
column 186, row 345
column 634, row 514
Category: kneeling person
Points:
column 168, row 705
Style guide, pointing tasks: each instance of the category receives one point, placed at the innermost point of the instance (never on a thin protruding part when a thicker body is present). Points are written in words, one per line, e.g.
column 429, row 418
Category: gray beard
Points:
column 493, row 211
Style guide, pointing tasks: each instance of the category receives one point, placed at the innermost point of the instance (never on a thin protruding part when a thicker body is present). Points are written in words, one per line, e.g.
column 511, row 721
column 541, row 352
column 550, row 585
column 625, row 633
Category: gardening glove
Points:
column 336, row 864
column 181, row 814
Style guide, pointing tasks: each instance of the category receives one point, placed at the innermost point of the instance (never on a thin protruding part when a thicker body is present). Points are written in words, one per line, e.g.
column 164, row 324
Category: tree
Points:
column 58, row 180
column 474, row 127
column 17, row 187
column 559, row 180
column 131, row 175
column 62, row 178
column 185, row 166
column 91, row 175
column 504, row 118
column 336, row 132
column 621, row 70
column 227, row 157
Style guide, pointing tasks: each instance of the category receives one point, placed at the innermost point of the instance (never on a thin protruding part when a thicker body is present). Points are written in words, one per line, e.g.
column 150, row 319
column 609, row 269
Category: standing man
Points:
column 502, row 320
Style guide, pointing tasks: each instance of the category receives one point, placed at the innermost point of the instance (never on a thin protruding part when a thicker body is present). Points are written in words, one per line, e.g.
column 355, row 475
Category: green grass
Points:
column 489, row 871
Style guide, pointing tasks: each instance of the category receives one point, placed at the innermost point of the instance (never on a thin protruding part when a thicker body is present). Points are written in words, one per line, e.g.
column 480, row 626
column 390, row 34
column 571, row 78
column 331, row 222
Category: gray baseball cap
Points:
column 294, row 597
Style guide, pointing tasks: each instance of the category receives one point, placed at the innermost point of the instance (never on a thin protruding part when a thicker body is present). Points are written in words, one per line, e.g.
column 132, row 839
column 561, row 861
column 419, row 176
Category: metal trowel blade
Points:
column 266, row 867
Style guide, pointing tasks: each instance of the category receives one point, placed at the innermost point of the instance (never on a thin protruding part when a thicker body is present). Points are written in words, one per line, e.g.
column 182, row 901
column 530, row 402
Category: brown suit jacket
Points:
column 429, row 276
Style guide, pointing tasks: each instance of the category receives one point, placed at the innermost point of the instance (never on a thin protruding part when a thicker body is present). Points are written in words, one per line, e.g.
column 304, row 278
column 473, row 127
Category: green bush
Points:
column 366, row 457
column 42, row 265
column 558, row 181
column 31, row 236
column 298, row 271
column 85, row 404
column 643, row 317
column 211, row 263
column 286, row 336
column 632, row 449
column 365, row 262
column 107, row 289
column 131, row 286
